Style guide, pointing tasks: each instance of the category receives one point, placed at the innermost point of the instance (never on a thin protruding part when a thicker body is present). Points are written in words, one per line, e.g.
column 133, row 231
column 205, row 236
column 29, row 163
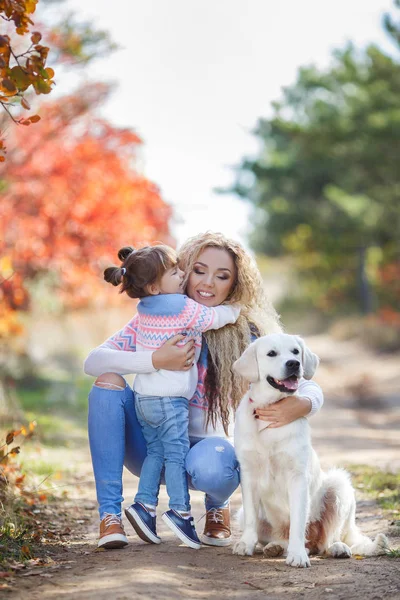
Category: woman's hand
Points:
column 173, row 357
column 284, row 411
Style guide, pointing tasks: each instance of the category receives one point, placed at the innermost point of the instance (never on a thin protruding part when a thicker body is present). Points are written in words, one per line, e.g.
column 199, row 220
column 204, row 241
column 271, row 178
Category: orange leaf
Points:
column 26, row 551
column 15, row 450
column 50, row 72
column 9, row 85
column 10, row 438
column 25, row 104
column 36, row 37
column 34, row 119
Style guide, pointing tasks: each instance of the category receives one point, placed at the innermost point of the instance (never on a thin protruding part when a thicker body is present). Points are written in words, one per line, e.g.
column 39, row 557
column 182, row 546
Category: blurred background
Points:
column 275, row 123
column 121, row 123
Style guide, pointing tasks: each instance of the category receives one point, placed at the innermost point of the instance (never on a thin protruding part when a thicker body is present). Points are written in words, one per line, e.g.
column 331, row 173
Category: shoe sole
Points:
column 215, row 541
column 141, row 528
column 183, row 537
column 113, row 541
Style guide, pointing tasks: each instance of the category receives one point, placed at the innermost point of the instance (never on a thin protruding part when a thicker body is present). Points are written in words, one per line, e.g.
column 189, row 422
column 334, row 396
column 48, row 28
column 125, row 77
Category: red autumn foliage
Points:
column 73, row 196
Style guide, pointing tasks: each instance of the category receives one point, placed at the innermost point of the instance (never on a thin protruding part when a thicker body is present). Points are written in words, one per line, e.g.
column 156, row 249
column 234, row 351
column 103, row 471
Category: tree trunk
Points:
column 364, row 287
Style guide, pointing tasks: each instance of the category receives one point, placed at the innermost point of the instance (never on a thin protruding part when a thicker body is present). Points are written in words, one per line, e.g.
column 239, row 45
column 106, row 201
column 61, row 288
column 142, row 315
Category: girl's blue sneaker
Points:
column 143, row 523
column 183, row 528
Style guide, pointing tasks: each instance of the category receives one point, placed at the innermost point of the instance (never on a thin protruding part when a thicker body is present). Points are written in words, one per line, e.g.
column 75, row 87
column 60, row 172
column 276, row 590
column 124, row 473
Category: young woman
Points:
column 152, row 275
column 218, row 270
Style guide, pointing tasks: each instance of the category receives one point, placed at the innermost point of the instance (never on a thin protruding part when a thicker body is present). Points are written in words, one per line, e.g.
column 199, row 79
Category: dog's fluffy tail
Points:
column 361, row 544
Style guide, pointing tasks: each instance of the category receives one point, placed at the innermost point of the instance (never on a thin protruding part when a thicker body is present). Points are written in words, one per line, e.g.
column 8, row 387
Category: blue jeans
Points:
column 116, row 438
column 164, row 422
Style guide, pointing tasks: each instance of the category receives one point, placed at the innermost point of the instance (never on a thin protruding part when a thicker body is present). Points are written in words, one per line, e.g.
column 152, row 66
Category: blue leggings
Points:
column 116, row 439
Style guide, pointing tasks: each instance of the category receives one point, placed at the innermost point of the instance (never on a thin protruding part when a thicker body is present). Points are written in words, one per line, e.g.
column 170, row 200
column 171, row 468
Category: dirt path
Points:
column 359, row 424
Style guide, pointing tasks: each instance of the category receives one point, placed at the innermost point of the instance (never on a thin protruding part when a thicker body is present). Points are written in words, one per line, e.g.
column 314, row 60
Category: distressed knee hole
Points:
column 108, row 386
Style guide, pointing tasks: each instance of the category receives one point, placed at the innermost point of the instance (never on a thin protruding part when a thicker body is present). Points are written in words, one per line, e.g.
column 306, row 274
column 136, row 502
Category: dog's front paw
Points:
column 245, row 546
column 298, row 558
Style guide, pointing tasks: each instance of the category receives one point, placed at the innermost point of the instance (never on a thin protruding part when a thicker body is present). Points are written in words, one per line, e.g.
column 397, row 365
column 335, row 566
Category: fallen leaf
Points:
column 255, row 587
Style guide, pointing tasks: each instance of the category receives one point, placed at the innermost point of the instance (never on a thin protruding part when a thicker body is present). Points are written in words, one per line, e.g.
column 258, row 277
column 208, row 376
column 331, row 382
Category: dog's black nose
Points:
column 293, row 364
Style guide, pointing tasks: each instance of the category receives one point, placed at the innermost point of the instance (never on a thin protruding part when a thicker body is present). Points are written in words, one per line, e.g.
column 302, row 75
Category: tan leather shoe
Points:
column 217, row 530
column 112, row 534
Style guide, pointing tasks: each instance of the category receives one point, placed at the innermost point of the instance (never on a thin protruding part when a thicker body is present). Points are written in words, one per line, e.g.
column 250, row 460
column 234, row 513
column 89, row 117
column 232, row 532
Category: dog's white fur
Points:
column 289, row 503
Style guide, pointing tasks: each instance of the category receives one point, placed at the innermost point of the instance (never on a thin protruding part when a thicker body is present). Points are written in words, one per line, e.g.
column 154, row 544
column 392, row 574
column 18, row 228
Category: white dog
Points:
column 288, row 502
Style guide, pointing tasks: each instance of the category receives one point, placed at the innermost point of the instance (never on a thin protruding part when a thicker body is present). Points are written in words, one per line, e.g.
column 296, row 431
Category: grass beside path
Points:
column 38, row 469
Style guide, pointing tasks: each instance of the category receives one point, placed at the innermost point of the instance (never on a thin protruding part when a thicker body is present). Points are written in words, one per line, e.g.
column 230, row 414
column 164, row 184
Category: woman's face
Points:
column 212, row 278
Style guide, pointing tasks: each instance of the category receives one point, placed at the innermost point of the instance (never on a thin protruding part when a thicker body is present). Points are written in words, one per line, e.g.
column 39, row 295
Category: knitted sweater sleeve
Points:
column 118, row 354
column 312, row 391
column 203, row 318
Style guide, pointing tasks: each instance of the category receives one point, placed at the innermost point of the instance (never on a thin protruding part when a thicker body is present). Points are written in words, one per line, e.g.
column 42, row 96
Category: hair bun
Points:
column 113, row 275
column 125, row 252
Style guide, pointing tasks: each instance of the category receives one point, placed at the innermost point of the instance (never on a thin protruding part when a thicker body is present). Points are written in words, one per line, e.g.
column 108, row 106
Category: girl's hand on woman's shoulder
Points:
column 173, row 357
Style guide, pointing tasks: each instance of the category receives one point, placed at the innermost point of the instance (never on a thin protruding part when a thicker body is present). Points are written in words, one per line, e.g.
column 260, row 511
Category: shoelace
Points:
column 216, row 515
column 110, row 519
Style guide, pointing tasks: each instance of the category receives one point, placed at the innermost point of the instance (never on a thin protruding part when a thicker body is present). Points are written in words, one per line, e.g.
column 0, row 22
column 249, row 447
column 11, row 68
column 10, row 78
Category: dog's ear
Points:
column 309, row 360
column 247, row 365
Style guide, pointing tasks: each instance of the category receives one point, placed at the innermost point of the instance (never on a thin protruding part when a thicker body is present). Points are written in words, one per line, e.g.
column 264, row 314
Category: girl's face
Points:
column 171, row 282
column 212, row 278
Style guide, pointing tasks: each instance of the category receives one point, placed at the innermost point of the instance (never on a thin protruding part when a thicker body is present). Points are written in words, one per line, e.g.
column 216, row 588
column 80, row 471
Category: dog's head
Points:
column 280, row 360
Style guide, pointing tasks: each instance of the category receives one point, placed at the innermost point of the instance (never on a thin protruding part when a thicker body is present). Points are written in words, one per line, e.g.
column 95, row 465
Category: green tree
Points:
column 326, row 185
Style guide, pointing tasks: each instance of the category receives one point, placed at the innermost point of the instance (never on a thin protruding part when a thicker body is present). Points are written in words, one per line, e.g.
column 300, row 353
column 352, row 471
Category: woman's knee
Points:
column 109, row 380
column 212, row 462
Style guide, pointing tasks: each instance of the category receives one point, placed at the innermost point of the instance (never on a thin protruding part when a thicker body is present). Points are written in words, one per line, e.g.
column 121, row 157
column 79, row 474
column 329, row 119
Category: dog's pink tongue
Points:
column 291, row 384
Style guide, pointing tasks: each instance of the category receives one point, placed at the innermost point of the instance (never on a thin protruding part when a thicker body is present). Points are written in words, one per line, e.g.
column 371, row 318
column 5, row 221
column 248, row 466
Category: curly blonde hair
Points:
column 223, row 387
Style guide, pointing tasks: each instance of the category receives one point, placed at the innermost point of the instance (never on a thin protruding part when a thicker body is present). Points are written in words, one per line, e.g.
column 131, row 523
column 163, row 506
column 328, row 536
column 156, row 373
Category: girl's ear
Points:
column 153, row 289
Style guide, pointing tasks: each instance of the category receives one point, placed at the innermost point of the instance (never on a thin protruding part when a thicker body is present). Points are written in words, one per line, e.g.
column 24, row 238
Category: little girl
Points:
column 162, row 398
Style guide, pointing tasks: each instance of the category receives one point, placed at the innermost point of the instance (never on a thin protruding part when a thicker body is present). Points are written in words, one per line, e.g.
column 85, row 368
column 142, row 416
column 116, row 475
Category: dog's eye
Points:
column 272, row 353
column 295, row 351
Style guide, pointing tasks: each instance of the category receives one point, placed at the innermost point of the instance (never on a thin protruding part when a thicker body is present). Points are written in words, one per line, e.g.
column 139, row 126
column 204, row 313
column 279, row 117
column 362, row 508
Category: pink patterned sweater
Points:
column 158, row 319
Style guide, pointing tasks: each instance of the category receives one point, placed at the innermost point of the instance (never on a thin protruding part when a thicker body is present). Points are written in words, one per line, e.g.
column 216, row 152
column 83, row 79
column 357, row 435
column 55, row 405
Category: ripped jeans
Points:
column 116, row 439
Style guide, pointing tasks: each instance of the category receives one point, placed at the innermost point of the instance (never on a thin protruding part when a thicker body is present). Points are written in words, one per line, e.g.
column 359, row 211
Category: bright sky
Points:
column 195, row 75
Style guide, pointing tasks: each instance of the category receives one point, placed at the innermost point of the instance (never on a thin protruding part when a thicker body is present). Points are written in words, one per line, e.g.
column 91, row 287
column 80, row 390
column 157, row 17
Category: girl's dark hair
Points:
column 140, row 268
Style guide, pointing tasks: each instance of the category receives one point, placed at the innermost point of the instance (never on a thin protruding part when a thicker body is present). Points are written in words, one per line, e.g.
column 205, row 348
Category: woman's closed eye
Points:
column 222, row 277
